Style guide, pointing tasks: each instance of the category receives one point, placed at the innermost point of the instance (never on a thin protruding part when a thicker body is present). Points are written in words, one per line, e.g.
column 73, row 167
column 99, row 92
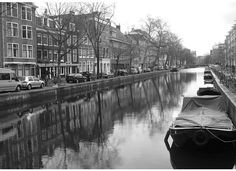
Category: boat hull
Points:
column 201, row 137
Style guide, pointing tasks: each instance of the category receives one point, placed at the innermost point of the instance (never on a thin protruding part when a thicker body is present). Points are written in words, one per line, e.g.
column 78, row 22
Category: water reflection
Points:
column 117, row 128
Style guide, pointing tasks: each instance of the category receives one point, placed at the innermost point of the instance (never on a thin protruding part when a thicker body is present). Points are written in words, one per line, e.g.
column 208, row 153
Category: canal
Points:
column 119, row 128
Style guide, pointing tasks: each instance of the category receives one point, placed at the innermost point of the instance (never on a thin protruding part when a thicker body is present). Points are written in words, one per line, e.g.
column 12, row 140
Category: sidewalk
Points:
column 230, row 94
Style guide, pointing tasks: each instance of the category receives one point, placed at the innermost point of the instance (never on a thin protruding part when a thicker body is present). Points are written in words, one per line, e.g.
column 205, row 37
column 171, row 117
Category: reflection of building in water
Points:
column 66, row 123
column 22, row 149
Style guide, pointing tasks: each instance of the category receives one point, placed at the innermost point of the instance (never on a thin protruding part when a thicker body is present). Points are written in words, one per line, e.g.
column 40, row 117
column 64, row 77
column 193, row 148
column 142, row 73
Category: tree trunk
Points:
column 167, row 59
column 157, row 58
column 97, row 56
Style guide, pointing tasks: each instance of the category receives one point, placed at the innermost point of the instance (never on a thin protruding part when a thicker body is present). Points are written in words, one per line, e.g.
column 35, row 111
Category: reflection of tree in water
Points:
column 74, row 133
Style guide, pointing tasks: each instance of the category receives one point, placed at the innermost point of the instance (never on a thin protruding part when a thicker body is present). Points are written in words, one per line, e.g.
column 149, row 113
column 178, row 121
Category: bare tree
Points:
column 61, row 27
column 119, row 50
column 133, row 49
column 157, row 34
column 172, row 49
column 95, row 21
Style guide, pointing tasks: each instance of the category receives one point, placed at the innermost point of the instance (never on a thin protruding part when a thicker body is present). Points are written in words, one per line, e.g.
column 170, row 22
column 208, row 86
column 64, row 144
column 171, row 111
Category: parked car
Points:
column 147, row 70
column 133, row 70
column 89, row 76
column 174, row 69
column 8, row 80
column 29, row 82
column 75, row 78
column 121, row 72
column 105, row 75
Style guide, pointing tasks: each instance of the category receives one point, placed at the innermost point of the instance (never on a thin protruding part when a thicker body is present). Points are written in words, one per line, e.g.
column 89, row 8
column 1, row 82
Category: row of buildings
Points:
column 225, row 53
column 28, row 47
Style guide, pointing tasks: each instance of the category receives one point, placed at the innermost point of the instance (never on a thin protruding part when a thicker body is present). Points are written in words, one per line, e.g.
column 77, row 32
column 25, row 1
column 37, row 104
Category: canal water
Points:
column 119, row 128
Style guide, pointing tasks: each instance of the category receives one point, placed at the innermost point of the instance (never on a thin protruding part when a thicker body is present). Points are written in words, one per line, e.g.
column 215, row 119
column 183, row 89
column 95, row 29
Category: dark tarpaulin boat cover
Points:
column 204, row 111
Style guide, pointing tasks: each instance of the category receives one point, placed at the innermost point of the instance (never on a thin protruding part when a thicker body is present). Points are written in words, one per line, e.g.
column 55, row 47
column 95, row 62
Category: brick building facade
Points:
column 17, row 36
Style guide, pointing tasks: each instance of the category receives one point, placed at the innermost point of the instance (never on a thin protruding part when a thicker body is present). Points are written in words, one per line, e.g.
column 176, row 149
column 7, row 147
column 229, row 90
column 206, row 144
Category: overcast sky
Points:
column 199, row 23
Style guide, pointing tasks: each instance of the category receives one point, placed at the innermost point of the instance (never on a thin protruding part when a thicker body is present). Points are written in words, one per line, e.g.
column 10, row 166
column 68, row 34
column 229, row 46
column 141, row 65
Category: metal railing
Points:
column 226, row 77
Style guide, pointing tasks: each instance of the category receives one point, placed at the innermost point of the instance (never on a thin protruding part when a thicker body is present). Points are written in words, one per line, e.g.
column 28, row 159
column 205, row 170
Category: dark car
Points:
column 89, row 76
column 147, row 70
column 121, row 72
column 105, row 75
column 75, row 78
column 174, row 69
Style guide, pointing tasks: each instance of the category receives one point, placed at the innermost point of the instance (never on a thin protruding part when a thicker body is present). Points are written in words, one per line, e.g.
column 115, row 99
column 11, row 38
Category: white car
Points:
column 29, row 82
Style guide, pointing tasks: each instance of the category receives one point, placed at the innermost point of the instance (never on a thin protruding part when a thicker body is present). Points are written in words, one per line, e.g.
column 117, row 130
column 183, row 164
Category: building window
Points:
column 90, row 52
column 26, row 13
column 39, row 38
column 80, row 52
column 83, row 52
column 91, row 66
column 107, row 53
column 12, row 50
column 51, row 23
column 80, row 69
column 87, row 52
column 12, row 29
column 24, row 51
column 84, row 66
column 50, row 55
column 62, row 57
column 50, row 40
column 45, row 39
column 71, row 27
column 88, row 66
column 27, row 51
column 55, row 41
column 30, row 51
column 74, row 40
column 74, row 55
column 55, row 56
column 45, row 21
column 45, row 55
column 39, row 54
column 68, row 56
column 69, row 41
column 12, row 9
column 27, row 32
column 103, row 54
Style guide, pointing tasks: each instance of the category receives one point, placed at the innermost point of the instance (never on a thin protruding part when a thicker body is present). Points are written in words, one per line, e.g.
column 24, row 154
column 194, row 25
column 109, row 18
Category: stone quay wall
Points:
column 55, row 93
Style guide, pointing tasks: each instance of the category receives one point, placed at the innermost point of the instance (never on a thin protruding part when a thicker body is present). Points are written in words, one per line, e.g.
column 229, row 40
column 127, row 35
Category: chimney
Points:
column 118, row 27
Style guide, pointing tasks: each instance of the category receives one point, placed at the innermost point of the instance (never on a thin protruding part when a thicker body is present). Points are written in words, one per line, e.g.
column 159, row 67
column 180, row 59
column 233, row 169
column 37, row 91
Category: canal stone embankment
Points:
column 68, row 90
column 230, row 97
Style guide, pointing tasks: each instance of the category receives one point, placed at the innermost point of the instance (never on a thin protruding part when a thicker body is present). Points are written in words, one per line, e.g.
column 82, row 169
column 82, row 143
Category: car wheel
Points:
column 18, row 88
column 42, row 85
column 29, row 87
